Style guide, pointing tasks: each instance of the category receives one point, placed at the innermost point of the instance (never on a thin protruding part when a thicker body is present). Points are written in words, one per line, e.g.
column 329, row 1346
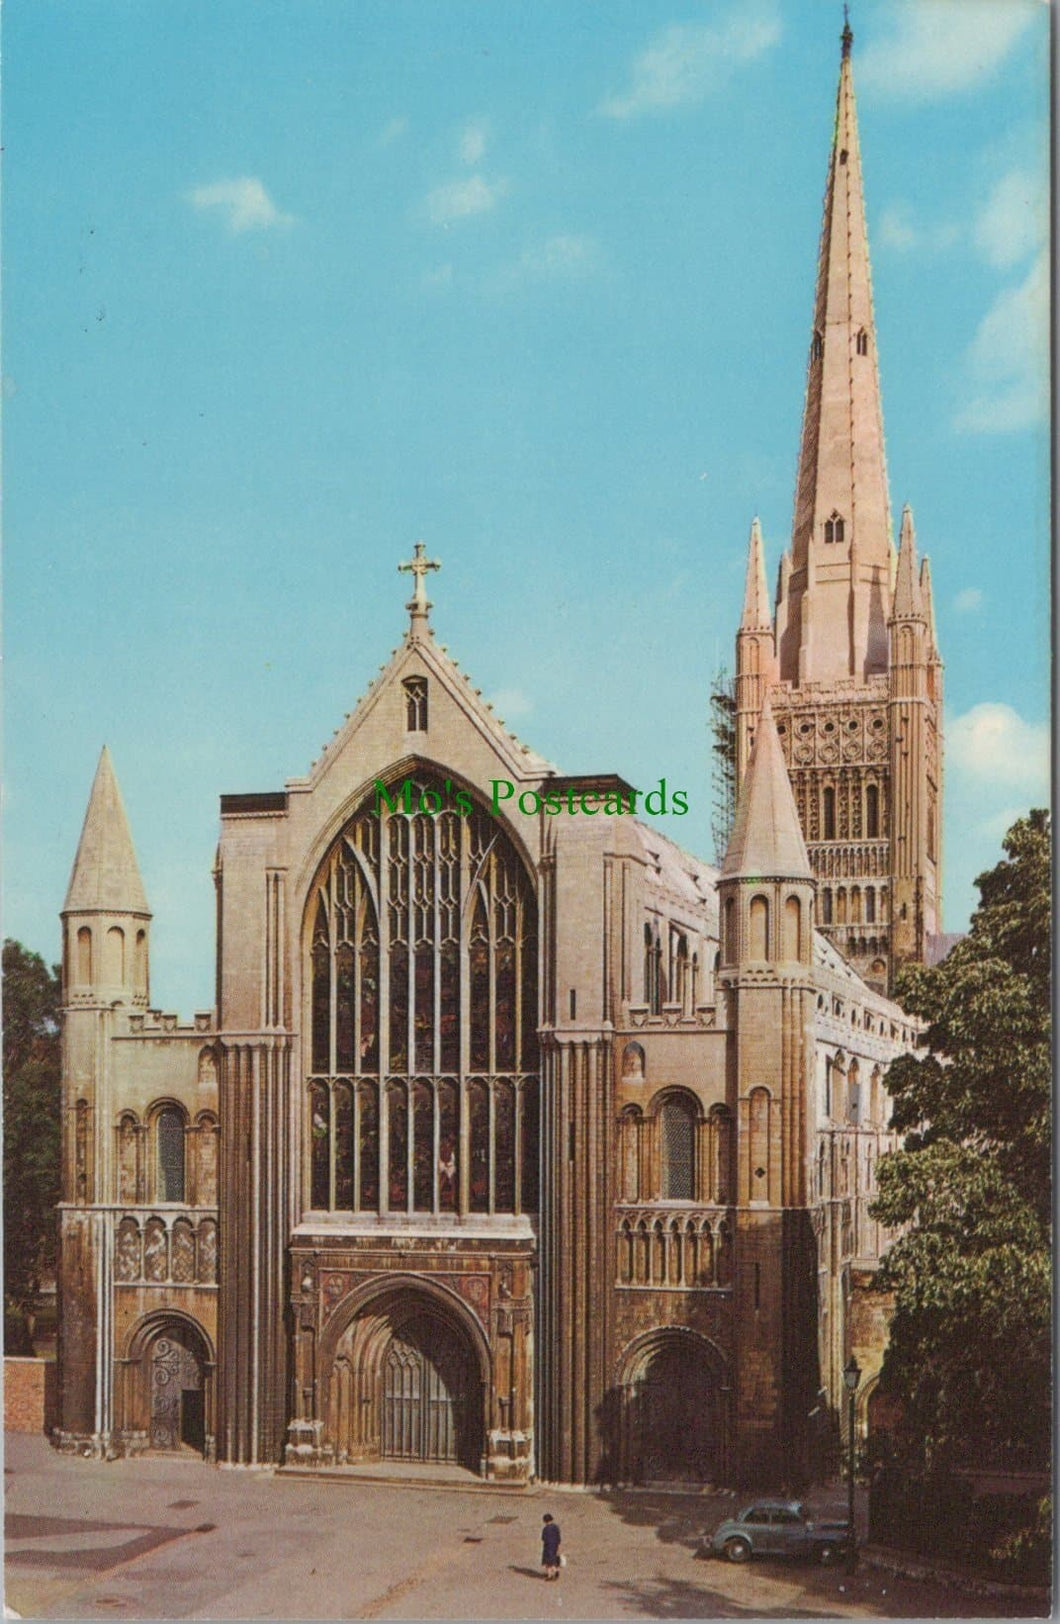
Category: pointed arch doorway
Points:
column 407, row 1383
column 428, row 1392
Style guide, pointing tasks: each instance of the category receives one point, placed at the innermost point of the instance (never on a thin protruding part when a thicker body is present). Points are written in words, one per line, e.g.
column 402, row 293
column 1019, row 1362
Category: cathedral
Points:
column 519, row 1140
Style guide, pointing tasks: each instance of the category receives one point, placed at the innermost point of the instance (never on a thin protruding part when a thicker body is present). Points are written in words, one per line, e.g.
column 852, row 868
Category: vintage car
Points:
column 776, row 1528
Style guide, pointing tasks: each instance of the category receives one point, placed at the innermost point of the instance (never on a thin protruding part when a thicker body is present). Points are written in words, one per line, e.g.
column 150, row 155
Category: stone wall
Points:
column 29, row 1395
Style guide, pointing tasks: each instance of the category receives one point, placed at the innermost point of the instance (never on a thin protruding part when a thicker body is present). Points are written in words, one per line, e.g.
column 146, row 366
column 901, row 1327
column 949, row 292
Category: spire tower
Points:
column 833, row 607
column 853, row 673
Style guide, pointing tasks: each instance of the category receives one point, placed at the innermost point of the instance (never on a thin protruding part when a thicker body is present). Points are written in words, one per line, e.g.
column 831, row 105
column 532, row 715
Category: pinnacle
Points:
column 105, row 874
column 928, row 601
column 756, row 612
column 908, row 602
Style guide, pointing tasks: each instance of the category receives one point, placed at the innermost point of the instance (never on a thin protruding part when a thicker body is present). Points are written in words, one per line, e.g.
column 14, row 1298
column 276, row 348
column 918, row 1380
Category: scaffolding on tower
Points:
column 723, row 760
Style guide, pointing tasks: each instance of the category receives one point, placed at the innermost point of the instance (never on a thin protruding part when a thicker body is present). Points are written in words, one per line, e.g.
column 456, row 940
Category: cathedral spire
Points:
column 766, row 840
column 757, row 616
column 105, row 875
column 834, row 624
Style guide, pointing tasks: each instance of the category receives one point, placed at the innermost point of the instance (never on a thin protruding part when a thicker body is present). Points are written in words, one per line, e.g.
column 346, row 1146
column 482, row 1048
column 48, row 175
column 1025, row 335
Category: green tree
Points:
column 31, row 1135
column 970, row 1191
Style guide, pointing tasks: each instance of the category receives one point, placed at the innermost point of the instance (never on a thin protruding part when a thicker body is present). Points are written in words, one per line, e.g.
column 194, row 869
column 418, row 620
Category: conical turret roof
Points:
column 766, row 838
column 105, row 874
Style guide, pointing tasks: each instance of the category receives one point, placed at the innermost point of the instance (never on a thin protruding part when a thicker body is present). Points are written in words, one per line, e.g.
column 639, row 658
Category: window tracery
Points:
column 422, row 961
column 415, row 704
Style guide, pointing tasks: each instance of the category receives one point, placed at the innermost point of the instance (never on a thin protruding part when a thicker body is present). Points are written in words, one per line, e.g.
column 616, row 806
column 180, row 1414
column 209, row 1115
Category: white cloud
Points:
column 1013, row 222
column 935, row 48
column 898, row 230
column 440, row 277
column 1007, row 362
column 968, row 601
column 992, row 743
column 473, row 142
column 686, row 61
column 459, row 199
column 245, row 203
column 392, row 131
column 509, row 702
column 566, row 255
column 997, row 826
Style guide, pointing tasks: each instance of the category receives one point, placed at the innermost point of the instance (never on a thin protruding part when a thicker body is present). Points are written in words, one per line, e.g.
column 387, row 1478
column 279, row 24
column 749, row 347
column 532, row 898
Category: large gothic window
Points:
column 422, row 993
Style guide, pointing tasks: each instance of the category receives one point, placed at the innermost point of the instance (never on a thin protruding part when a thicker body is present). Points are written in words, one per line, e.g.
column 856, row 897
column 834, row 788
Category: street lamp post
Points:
column 851, row 1378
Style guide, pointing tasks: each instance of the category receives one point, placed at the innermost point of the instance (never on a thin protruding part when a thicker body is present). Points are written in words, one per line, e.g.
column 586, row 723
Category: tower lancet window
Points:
column 817, row 347
column 872, row 811
column 863, row 342
column 169, row 1128
column 833, row 528
column 828, row 813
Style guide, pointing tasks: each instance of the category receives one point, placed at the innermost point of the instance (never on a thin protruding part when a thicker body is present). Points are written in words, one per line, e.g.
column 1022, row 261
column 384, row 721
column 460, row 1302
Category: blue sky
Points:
column 290, row 284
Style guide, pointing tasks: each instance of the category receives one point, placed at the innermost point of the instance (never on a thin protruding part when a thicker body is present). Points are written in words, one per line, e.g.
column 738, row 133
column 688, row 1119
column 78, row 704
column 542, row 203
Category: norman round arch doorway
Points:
column 675, row 1417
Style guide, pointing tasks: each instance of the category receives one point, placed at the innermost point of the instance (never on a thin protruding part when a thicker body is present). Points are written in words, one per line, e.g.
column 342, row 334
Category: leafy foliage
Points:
column 969, row 1350
column 31, row 1134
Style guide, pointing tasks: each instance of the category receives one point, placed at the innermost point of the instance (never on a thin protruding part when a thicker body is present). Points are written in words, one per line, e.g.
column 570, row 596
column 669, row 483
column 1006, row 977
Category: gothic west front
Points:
column 528, row 1146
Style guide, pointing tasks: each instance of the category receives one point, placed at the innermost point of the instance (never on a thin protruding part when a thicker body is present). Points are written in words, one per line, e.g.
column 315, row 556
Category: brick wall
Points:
column 29, row 1395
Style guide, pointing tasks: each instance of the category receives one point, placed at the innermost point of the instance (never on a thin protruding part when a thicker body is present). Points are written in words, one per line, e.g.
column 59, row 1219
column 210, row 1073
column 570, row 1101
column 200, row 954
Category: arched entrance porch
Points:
column 406, row 1379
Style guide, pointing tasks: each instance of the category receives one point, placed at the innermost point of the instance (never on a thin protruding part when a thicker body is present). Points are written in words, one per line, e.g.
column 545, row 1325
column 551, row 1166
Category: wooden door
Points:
column 427, row 1389
column 175, row 1370
column 677, row 1410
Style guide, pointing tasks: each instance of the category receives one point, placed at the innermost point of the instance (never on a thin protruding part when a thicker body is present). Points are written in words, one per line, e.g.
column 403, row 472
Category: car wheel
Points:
column 828, row 1555
column 737, row 1550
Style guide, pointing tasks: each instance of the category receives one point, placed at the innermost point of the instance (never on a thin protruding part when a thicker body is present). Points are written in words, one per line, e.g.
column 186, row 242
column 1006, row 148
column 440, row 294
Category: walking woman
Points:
column 550, row 1537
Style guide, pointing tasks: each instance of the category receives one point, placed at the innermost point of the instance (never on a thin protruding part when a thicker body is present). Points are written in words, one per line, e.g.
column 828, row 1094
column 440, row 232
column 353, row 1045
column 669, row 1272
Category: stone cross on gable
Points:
column 418, row 604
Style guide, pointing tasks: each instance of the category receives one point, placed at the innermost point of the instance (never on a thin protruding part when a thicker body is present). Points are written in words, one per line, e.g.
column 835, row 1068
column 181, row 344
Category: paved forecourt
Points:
column 170, row 1537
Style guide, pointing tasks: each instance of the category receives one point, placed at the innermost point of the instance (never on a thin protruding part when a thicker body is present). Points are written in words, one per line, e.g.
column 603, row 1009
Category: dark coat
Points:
column 550, row 1544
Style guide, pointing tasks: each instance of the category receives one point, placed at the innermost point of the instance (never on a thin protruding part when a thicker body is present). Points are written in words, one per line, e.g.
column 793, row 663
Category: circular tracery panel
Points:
column 421, row 948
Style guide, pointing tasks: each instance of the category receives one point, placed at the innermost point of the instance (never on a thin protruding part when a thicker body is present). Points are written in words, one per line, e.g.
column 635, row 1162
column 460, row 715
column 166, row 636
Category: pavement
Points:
column 169, row 1537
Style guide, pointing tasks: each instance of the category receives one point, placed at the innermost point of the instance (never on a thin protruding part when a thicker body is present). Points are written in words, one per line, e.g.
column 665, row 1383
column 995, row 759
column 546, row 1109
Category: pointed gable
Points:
column 419, row 653
column 105, row 875
column 766, row 839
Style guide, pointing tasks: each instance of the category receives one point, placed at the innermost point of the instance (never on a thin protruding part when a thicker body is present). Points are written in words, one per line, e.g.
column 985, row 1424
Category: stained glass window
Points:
column 170, row 1129
column 678, row 1123
column 422, row 969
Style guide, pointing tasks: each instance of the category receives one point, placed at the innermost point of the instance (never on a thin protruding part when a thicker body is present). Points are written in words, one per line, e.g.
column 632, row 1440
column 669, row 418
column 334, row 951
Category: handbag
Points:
column 562, row 1560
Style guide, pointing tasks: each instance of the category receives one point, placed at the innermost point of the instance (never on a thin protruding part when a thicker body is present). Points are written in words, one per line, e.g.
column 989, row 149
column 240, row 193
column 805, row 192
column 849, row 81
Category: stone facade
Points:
column 519, row 1139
